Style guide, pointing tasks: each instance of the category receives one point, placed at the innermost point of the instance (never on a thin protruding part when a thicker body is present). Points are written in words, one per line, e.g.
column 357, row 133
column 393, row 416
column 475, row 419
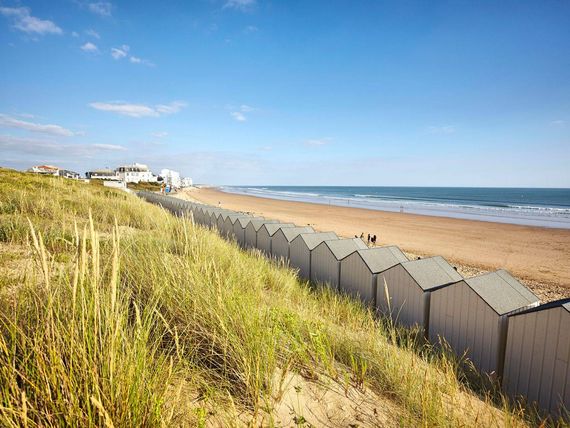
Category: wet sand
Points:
column 539, row 256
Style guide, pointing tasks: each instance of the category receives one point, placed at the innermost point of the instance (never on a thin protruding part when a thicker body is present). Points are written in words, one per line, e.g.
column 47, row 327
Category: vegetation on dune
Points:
column 123, row 315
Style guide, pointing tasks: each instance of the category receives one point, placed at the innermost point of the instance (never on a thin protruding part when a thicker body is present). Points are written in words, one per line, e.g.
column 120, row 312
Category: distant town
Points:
column 121, row 176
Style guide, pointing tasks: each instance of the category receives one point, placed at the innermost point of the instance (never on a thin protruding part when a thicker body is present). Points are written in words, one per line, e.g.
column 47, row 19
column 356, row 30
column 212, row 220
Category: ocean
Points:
column 533, row 207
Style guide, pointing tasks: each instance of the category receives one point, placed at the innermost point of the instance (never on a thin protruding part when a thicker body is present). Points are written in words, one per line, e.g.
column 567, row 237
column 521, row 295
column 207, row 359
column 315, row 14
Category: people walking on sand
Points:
column 369, row 239
column 362, row 236
column 374, row 240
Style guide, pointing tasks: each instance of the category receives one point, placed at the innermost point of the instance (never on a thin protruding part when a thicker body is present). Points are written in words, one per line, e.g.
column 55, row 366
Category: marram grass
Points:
column 129, row 316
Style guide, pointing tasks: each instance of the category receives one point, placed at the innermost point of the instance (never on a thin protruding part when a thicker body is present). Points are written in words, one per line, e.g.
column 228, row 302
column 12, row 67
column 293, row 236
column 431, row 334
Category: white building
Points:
column 102, row 174
column 186, row 182
column 135, row 173
column 171, row 178
column 53, row 170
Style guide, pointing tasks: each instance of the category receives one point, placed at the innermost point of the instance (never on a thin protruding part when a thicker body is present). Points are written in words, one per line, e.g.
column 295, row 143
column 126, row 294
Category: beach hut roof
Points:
column 243, row 221
column 311, row 240
column 258, row 224
column 343, row 247
column 272, row 228
column 227, row 213
column 501, row 291
column 562, row 303
column 234, row 217
column 292, row 232
column 431, row 272
column 382, row 258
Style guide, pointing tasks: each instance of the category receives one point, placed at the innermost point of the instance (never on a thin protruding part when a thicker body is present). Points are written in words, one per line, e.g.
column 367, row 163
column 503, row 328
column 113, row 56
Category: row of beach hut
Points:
column 492, row 319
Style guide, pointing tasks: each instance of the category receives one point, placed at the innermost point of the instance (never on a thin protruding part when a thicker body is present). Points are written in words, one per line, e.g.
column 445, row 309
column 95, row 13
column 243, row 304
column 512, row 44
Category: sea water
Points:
column 533, row 207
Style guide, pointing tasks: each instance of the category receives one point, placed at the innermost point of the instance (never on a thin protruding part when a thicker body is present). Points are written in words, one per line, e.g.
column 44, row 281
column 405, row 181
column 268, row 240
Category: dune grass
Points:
column 125, row 315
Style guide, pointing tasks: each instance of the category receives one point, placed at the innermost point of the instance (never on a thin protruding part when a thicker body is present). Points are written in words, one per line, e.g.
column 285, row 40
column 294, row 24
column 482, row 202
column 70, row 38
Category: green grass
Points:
column 129, row 316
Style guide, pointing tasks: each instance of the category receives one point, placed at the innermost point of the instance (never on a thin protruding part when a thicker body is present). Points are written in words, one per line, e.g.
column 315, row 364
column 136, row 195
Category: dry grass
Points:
column 129, row 316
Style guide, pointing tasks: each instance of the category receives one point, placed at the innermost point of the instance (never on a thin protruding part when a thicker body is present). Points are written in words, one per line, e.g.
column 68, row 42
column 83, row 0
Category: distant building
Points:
column 102, row 174
column 135, row 173
column 45, row 170
column 171, row 178
column 186, row 182
column 53, row 170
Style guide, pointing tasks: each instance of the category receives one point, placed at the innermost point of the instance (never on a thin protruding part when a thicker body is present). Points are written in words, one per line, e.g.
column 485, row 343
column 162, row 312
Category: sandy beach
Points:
column 538, row 256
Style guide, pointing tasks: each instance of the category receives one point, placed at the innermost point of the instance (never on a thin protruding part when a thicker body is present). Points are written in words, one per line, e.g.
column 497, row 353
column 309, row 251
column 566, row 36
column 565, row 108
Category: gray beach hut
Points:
column 221, row 218
column 326, row 257
column 301, row 247
column 471, row 315
column 240, row 226
column 280, row 242
column 359, row 271
column 409, row 287
column 251, row 231
column 228, row 225
column 265, row 235
column 537, row 357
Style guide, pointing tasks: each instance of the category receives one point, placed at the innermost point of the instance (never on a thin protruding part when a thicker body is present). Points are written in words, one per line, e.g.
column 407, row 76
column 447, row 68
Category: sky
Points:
column 291, row 92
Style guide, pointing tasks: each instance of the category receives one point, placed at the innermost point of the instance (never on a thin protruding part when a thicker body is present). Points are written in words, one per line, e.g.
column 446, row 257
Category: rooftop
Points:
column 432, row 272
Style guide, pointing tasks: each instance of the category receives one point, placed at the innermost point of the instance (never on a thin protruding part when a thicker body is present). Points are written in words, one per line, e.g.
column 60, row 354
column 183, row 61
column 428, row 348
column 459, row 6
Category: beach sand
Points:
column 538, row 256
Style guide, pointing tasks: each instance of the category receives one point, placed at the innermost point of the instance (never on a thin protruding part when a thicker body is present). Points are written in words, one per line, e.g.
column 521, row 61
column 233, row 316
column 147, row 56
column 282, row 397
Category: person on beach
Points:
column 374, row 240
column 369, row 239
column 361, row 236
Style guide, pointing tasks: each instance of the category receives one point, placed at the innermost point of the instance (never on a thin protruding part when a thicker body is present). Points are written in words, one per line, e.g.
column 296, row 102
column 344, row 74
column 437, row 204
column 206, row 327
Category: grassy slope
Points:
column 137, row 318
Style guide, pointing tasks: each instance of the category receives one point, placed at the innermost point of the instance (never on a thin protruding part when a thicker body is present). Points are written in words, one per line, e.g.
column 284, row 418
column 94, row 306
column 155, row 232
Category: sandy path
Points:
column 540, row 256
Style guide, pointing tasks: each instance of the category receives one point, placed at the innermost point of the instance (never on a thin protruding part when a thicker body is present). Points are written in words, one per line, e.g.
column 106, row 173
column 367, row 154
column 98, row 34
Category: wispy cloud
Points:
column 11, row 122
column 92, row 33
column 123, row 52
column 51, row 148
column 239, row 116
column 139, row 110
column 161, row 134
column 317, row 142
column 74, row 34
column 102, row 8
column 558, row 123
column 22, row 20
column 120, row 52
column 240, row 4
column 250, row 29
column 89, row 47
column 239, row 113
column 445, row 129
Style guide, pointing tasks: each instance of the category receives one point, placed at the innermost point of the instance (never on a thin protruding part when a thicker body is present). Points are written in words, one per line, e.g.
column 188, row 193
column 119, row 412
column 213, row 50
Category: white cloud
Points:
column 239, row 4
column 558, row 123
column 89, row 47
column 92, row 33
column 23, row 21
column 11, row 122
column 111, row 147
column 135, row 60
column 75, row 34
column 318, row 142
column 30, row 146
column 445, row 129
column 120, row 52
column 239, row 116
column 162, row 134
column 239, row 113
column 103, row 8
column 250, row 29
column 139, row 110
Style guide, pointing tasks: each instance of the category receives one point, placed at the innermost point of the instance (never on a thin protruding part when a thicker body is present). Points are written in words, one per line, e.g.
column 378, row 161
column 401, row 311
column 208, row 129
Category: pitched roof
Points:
column 431, row 272
column 243, row 221
column 258, row 224
column 381, row 258
column 343, row 247
column 502, row 292
column 233, row 217
column 272, row 228
column 291, row 233
column 562, row 303
column 311, row 240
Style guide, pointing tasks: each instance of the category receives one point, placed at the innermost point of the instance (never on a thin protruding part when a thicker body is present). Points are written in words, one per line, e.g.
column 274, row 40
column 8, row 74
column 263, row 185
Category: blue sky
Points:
column 433, row 93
